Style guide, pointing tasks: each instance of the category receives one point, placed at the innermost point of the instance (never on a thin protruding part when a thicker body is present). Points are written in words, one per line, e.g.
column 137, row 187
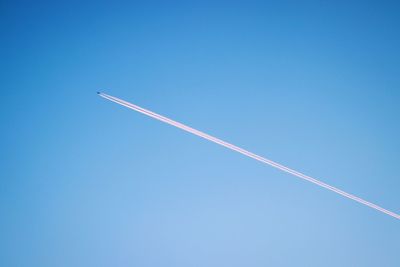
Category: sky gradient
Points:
column 312, row 85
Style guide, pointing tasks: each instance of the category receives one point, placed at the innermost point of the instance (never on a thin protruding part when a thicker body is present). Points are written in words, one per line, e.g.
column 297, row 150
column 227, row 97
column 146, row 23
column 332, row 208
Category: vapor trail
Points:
column 247, row 153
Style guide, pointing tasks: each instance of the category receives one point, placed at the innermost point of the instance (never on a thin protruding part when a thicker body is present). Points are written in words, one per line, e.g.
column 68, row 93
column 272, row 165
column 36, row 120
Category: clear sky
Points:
column 314, row 85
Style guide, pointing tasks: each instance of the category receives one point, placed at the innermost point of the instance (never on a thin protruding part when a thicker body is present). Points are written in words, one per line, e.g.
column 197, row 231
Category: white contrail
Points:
column 247, row 153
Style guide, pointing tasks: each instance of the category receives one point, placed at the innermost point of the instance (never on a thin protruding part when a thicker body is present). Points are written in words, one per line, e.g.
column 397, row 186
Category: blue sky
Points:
column 313, row 85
